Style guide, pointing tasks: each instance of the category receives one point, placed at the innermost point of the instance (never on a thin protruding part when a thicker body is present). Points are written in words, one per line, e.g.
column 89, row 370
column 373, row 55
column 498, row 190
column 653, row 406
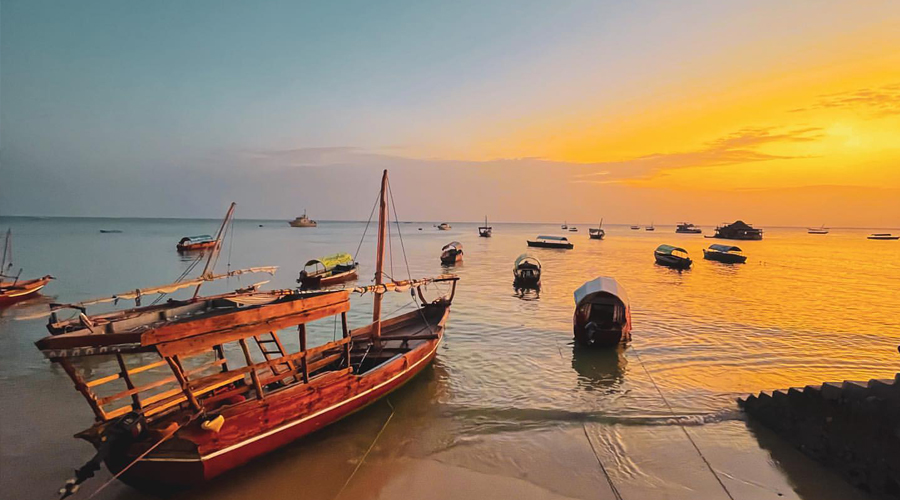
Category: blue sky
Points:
column 172, row 108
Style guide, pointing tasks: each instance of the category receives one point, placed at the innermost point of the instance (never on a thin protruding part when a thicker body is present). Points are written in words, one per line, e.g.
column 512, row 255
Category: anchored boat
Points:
column 451, row 253
column 485, row 230
column 12, row 288
column 527, row 272
column 817, row 230
column 687, row 227
column 602, row 313
column 597, row 233
column 650, row 227
column 551, row 242
column 667, row 255
column 192, row 243
column 739, row 230
column 198, row 414
column 729, row 254
column 883, row 236
column 303, row 221
column 327, row 271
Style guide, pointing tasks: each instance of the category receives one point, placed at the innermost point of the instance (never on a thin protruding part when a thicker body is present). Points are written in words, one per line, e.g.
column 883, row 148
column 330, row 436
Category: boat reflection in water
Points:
column 599, row 369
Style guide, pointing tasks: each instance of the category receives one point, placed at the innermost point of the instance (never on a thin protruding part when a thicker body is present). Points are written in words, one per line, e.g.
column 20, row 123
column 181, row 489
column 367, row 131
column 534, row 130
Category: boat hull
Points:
column 252, row 429
column 195, row 246
column 673, row 261
column 303, row 224
column 884, row 238
column 545, row 244
column 313, row 281
column 450, row 258
column 22, row 290
column 725, row 258
column 484, row 232
column 689, row 231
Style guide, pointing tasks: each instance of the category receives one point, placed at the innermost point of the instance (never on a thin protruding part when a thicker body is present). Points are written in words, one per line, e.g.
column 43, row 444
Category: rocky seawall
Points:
column 852, row 427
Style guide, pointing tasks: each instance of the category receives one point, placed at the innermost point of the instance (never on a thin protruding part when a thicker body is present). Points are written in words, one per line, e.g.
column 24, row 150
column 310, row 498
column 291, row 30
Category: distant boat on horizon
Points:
column 650, row 227
column 817, row 230
column 303, row 221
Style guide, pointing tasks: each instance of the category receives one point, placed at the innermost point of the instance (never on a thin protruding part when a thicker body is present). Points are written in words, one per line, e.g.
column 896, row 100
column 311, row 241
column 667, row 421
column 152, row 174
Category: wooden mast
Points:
column 379, row 260
column 215, row 250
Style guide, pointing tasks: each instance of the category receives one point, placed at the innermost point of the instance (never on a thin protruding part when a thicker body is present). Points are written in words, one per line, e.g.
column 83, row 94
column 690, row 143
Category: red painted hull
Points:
column 252, row 429
column 23, row 290
column 196, row 246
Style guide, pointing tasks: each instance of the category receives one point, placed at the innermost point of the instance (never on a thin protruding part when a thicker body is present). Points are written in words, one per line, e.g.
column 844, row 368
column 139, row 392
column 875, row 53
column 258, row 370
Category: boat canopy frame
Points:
column 725, row 248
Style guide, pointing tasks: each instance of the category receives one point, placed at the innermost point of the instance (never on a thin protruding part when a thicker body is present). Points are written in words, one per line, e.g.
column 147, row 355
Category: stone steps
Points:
column 852, row 426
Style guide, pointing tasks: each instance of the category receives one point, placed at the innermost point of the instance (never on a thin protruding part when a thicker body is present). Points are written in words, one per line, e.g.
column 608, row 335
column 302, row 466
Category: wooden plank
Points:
column 253, row 375
column 246, row 316
column 83, row 388
column 207, row 340
column 136, row 401
column 132, row 371
column 185, row 387
column 157, row 383
column 301, row 332
column 327, row 360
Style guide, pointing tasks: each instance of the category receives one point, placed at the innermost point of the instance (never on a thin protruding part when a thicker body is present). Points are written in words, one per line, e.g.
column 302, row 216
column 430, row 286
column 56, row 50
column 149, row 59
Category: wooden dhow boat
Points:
column 13, row 288
column 328, row 271
column 199, row 413
column 602, row 313
column 817, row 230
column 451, row 253
column 485, row 230
column 597, row 233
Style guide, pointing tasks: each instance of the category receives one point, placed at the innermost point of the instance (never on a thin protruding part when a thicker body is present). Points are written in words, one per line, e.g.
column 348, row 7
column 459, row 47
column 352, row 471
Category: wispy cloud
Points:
column 734, row 149
column 880, row 101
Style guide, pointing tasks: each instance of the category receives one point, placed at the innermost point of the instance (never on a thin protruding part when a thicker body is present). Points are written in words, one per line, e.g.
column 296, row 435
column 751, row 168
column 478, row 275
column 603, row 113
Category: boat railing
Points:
column 214, row 380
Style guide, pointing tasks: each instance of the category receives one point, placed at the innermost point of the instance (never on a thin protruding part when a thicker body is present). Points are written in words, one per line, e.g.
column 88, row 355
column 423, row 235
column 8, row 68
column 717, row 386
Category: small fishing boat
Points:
column 817, row 230
column 485, row 230
column 443, row 226
column 573, row 229
column 564, row 226
column 327, row 271
column 527, row 272
column 687, row 227
column 667, row 255
column 883, row 236
column 13, row 288
column 597, row 233
column 739, row 230
column 551, row 242
column 650, row 227
column 303, row 221
column 729, row 254
column 602, row 314
column 195, row 414
column 635, row 228
column 110, row 231
column 192, row 243
column 452, row 253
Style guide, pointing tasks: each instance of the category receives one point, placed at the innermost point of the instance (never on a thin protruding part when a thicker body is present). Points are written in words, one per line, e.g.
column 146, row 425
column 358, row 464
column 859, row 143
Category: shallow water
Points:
column 510, row 408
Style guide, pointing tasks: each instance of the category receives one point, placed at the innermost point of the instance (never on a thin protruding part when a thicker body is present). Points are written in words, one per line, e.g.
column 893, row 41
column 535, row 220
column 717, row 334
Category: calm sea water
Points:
column 509, row 408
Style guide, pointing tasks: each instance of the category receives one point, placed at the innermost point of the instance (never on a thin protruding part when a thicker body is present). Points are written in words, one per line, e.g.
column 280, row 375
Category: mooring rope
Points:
column 597, row 456
column 366, row 454
column 672, row 412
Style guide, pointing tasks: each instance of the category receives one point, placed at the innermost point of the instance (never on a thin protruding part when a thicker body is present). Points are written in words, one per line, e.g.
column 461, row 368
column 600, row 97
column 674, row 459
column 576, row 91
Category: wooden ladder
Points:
column 278, row 350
